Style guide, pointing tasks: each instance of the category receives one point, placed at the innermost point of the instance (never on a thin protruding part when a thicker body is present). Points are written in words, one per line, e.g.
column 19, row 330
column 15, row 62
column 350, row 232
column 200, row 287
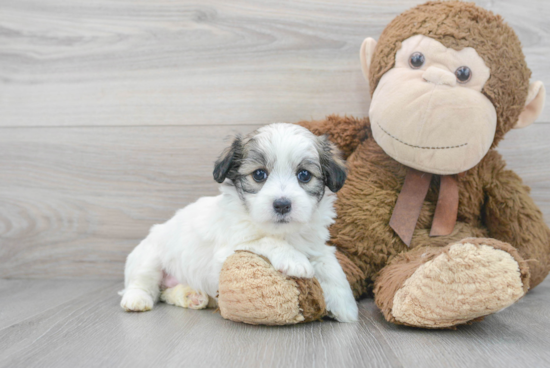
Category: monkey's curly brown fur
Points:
column 493, row 202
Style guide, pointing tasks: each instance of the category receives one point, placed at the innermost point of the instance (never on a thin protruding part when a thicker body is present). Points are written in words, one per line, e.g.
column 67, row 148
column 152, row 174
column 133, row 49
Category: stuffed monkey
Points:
column 429, row 220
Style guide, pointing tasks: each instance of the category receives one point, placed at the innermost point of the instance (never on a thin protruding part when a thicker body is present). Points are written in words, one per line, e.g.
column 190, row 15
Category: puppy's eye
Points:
column 463, row 74
column 259, row 175
column 416, row 60
column 304, row 176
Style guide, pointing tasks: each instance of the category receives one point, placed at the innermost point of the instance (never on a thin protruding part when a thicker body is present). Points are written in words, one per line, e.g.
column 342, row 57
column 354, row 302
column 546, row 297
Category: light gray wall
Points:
column 112, row 112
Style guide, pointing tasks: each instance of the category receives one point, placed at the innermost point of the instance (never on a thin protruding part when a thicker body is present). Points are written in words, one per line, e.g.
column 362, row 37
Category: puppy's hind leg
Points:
column 143, row 275
column 185, row 297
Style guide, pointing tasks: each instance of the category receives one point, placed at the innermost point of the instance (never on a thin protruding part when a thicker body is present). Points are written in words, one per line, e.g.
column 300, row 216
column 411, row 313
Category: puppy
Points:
column 272, row 202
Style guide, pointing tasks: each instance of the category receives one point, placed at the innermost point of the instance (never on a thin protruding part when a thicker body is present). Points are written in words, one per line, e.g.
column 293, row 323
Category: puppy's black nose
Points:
column 282, row 205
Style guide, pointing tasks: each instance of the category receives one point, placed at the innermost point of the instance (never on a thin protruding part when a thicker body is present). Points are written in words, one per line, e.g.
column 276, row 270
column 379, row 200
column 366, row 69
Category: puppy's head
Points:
column 280, row 172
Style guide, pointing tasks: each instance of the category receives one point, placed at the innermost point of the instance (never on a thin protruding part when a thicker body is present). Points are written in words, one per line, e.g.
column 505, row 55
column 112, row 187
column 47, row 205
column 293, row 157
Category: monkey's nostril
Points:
column 439, row 76
column 282, row 206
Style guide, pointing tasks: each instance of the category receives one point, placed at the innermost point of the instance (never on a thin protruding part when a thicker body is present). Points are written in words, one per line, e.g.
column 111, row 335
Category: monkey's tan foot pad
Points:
column 463, row 283
column 185, row 297
column 252, row 291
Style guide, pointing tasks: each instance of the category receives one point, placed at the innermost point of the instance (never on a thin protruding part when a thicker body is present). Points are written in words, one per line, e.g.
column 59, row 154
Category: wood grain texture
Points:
column 92, row 331
column 181, row 62
column 75, row 200
column 23, row 299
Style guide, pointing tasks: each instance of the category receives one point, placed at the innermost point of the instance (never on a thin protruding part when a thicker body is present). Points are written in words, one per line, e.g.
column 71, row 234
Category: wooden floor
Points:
column 80, row 324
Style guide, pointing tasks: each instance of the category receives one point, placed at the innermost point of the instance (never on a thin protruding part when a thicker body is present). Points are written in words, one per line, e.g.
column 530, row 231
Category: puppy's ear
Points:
column 332, row 164
column 229, row 161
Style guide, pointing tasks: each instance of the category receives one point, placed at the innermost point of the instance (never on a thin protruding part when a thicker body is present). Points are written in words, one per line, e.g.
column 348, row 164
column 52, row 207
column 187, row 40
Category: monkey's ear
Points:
column 533, row 105
column 332, row 164
column 229, row 160
column 367, row 50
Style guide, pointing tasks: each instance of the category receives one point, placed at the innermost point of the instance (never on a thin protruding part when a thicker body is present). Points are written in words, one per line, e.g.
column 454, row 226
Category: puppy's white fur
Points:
column 193, row 245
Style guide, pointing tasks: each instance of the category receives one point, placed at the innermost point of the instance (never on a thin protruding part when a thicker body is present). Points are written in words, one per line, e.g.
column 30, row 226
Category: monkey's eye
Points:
column 259, row 175
column 304, row 176
column 463, row 74
column 416, row 60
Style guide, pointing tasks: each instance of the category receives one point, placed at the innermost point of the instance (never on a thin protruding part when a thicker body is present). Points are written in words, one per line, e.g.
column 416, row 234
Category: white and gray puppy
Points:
column 272, row 202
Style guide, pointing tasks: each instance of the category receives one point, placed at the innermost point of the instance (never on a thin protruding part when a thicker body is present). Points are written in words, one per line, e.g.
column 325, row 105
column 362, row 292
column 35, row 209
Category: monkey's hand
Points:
column 252, row 291
column 512, row 216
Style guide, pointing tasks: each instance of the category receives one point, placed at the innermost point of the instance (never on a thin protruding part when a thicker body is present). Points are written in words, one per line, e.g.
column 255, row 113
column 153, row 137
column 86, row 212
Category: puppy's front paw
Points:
column 295, row 265
column 341, row 304
column 136, row 300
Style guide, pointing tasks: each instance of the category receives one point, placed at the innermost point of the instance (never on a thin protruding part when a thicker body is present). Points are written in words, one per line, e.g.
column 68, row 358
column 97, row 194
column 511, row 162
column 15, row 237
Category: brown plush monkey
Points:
column 429, row 220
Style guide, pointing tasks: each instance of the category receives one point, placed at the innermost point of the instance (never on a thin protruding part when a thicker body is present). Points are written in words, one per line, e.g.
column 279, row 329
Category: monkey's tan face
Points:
column 428, row 112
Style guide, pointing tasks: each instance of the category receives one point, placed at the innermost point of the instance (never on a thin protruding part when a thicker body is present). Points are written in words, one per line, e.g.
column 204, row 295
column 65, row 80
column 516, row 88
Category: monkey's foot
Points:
column 458, row 284
column 252, row 291
column 185, row 297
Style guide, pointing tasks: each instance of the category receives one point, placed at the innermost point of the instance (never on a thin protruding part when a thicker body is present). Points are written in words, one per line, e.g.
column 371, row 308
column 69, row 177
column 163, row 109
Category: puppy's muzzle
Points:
column 282, row 206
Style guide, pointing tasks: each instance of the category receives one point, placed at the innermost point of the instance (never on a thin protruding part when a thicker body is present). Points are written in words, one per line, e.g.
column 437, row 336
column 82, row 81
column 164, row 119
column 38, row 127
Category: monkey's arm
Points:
column 345, row 132
column 512, row 216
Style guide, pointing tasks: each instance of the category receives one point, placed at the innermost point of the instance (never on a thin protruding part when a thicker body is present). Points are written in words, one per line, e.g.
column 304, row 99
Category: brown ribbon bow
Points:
column 410, row 200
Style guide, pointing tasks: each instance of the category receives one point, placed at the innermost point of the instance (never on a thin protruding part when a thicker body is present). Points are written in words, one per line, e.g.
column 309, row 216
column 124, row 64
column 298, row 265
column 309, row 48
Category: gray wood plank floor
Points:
column 21, row 299
column 90, row 330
